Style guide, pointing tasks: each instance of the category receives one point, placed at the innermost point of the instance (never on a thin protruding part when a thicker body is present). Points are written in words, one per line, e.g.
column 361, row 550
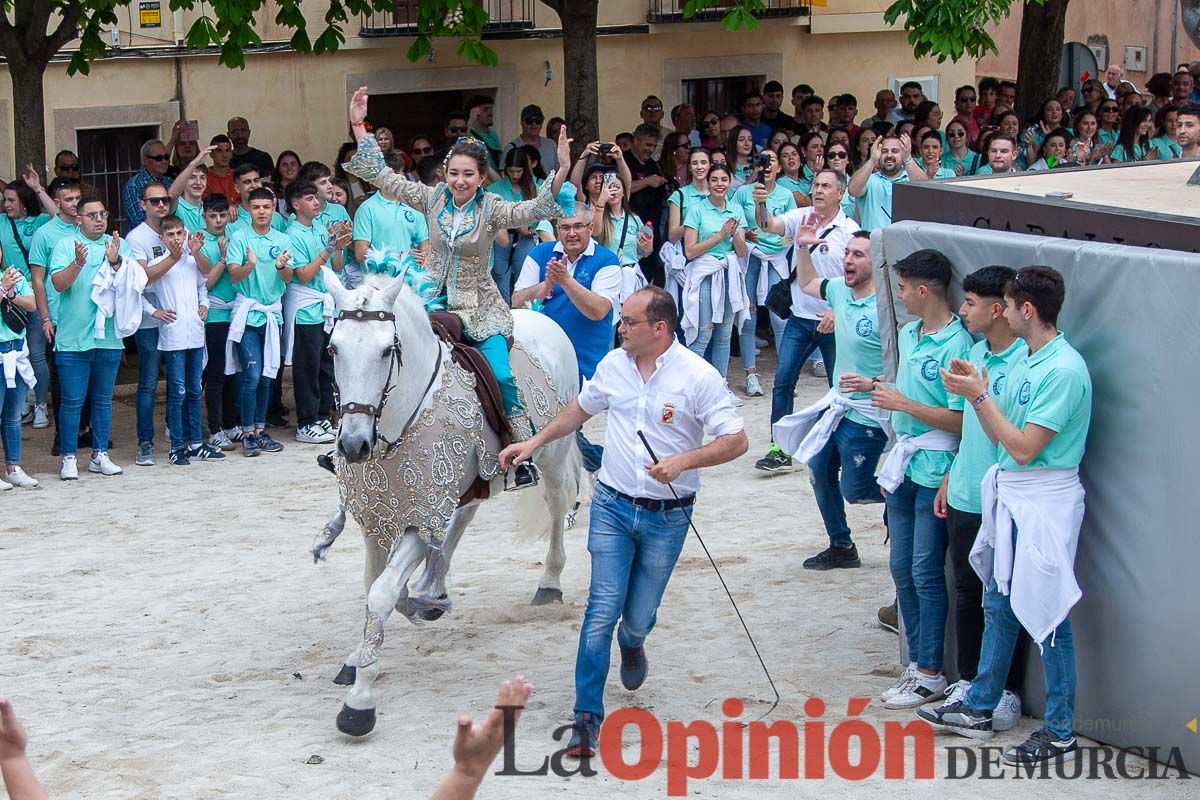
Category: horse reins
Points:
column 396, row 359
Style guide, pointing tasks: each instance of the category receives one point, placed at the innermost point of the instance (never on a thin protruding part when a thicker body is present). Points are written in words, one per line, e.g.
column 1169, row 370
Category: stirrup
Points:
column 523, row 476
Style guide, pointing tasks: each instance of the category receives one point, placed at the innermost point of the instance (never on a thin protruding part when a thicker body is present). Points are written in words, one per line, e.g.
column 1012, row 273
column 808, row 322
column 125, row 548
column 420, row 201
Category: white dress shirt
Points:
column 827, row 258
column 683, row 397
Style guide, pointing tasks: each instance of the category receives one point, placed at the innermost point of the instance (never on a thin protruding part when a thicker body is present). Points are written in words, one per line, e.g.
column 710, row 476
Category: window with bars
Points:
column 108, row 158
column 719, row 95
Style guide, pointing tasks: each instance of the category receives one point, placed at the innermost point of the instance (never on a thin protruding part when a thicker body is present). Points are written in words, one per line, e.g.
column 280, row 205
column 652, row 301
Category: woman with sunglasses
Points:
column 739, row 155
column 715, row 290
column 419, row 148
column 1164, row 137
column 675, row 157
column 1110, row 123
column 929, row 114
column 710, row 131
column 1133, row 143
column 958, row 158
column 767, row 265
column 1094, row 94
column 837, row 158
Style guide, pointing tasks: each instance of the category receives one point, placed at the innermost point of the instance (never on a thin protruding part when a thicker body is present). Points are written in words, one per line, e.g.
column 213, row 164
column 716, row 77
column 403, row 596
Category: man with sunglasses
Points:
column 456, row 126
column 965, row 102
column 155, row 160
column 66, row 165
column 652, row 114
column 531, row 134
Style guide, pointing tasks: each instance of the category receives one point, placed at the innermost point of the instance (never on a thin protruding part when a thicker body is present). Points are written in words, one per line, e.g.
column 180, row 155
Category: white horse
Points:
column 393, row 376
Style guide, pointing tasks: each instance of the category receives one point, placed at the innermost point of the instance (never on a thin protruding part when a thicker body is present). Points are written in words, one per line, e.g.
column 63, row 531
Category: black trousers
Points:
column 218, row 387
column 962, row 528
column 312, row 373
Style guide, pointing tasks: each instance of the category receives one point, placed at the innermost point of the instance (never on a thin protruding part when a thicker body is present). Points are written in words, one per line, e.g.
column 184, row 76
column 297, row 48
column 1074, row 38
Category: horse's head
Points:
column 367, row 357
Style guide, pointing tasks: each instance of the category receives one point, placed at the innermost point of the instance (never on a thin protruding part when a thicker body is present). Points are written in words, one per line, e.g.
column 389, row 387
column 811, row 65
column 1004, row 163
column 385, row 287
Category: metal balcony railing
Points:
column 672, row 10
column 503, row 15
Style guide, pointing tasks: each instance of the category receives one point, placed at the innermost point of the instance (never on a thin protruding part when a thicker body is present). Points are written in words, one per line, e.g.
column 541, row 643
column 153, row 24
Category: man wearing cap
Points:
column 531, row 134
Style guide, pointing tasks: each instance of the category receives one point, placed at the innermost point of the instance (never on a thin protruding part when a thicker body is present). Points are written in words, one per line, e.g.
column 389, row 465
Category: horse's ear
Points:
column 388, row 295
column 341, row 295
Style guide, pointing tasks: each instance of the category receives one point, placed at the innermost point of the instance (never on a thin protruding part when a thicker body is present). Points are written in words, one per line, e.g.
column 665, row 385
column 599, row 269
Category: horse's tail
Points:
column 562, row 483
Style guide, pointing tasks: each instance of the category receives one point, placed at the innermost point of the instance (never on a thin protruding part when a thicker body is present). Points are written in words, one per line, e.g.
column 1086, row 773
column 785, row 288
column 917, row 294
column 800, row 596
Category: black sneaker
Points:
column 179, row 458
column 1041, row 746
column 250, row 447
column 276, row 420
column 834, row 558
column 206, row 452
column 267, row 444
column 889, row 617
column 957, row 718
column 633, row 667
column 774, row 461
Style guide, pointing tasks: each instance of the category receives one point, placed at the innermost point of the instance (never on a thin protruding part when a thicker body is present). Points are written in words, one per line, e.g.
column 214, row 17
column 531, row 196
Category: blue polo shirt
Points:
column 1051, row 388
column 875, row 206
column 919, row 378
column 976, row 453
column 591, row 338
column 855, row 338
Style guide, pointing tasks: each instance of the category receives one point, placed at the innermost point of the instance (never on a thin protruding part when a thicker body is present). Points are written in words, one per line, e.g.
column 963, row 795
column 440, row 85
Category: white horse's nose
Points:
column 354, row 447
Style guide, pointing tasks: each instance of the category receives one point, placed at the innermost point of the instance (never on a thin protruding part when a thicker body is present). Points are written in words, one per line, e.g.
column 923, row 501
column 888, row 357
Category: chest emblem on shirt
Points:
column 668, row 414
column 157, row 250
column 824, row 249
column 998, row 384
column 864, row 327
column 1024, row 392
column 275, row 251
column 929, row 369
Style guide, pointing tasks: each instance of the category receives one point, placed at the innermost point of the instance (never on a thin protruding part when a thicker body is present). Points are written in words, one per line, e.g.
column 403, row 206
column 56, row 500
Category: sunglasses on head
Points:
column 69, row 167
column 163, row 157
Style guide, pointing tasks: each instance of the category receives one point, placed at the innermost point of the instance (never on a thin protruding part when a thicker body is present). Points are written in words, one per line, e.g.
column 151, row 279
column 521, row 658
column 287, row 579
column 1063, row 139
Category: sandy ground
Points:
column 168, row 636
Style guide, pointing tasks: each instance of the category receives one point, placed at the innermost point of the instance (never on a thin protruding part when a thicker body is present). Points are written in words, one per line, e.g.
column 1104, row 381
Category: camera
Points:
column 763, row 162
column 606, row 149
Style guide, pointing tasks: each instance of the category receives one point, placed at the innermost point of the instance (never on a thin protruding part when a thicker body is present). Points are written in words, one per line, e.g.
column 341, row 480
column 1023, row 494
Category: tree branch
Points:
column 67, row 30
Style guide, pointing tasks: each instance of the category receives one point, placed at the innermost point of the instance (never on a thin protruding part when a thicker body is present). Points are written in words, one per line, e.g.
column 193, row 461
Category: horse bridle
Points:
column 396, row 360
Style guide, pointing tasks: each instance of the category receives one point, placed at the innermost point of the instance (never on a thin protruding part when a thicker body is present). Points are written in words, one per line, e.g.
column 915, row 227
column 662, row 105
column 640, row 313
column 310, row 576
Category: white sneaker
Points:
column 733, row 398
column 919, row 690
column 41, row 417
column 5, row 486
column 69, row 470
column 102, row 464
column 955, row 692
column 18, row 478
column 753, row 386
column 760, row 342
column 819, row 369
column 233, row 434
column 221, row 441
column 326, row 425
column 1007, row 713
column 904, row 678
column 314, row 434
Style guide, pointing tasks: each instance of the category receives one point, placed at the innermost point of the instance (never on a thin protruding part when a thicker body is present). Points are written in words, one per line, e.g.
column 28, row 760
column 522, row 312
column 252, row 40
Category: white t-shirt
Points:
column 827, row 258
column 182, row 290
column 146, row 245
column 606, row 282
column 683, row 397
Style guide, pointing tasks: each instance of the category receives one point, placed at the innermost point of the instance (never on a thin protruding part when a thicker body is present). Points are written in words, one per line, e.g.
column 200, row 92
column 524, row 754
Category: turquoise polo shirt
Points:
column 778, row 201
column 971, row 162
column 855, row 337
column 943, row 173
column 7, row 334
column 263, row 284
column 875, row 206
column 25, row 229
column 389, row 227
column 685, row 197
column 76, row 311
column 307, row 242
column 40, row 249
column 223, row 288
column 791, row 184
column 1051, row 388
column 976, row 453
column 243, row 223
column 919, row 378
column 627, row 253
column 192, row 216
column 705, row 219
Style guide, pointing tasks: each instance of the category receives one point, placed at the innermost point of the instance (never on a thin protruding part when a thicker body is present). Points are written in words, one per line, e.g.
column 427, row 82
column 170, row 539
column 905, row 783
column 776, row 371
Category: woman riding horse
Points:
column 463, row 223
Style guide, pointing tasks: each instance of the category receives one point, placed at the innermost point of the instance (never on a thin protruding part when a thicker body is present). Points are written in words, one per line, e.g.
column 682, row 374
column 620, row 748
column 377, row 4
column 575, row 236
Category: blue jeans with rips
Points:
column 918, row 565
column 720, row 334
column 746, row 334
column 183, row 396
column 149, row 359
column 253, row 388
column 845, row 469
column 633, row 554
column 1000, row 632
column 82, row 375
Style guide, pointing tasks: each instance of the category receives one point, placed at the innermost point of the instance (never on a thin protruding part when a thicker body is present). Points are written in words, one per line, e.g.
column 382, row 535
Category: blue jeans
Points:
column 253, row 388
column 12, row 403
column 81, row 375
column 37, row 356
column 1000, row 632
column 507, row 262
column 918, row 564
column 853, row 451
column 183, row 395
column 592, row 453
column 720, row 333
column 146, row 340
column 800, row 338
column 746, row 334
column 633, row 554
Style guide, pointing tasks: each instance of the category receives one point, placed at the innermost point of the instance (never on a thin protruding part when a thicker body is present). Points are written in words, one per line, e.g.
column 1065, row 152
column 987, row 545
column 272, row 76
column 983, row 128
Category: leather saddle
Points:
column 448, row 327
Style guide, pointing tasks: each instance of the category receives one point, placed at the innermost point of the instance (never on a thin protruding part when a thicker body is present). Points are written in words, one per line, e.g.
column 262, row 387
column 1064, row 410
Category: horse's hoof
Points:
column 544, row 597
column 346, row 676
column 354, row 722
column 431, row 614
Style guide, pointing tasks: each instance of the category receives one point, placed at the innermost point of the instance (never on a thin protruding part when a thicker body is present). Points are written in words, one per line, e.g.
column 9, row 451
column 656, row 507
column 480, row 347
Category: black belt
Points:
column 652, row 504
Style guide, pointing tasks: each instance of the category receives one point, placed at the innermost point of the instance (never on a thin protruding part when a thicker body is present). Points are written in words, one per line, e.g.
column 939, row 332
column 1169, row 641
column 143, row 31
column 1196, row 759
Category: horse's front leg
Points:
column 429, row 600
column 560, row 464
column 357, row 717
column 377, row 559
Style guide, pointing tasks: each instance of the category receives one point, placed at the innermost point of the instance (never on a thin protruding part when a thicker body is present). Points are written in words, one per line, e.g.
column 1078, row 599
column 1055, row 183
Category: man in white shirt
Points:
column 656, row 388
column 182, row 293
